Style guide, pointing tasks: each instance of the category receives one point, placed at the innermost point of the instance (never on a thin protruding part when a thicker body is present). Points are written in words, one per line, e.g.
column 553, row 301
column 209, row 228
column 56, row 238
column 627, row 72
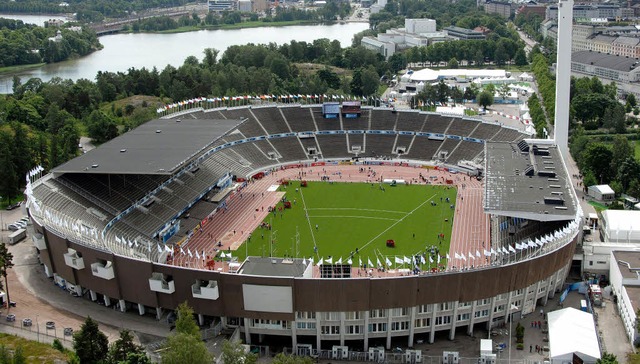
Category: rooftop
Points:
column 158, row 147
column 274, row 267
column 528, row 180
column 605, row 60
column 628, row 262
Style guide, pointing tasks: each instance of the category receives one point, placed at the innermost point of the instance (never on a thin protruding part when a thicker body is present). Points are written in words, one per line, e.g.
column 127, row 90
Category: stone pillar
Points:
column 200, row 319
column 123, row 305
column 342, row 318
column 388, row 343
column 158, row 313
column 366, row 330
column 107, row 300
column 93, row 295
column 141, row 309
column 294, row 336
column 454, row 320
column 412, row 322
column 432, row 334
column 247, row 332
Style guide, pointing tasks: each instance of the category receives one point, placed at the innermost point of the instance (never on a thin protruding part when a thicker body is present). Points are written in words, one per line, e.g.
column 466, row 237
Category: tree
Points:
column 91, row 344
column 607, row 358
column 18, row 356
column 235, row 353
column 521, row 58
column 291, row 359
column 597, row 159
column 101, row 127
column 185, row 348
column 6, row 263
column 485, row 99
column 185, row 323
column 186, row 345
column 124, row 347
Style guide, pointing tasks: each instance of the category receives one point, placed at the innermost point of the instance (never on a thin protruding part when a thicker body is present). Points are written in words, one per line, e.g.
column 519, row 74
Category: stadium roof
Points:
column 603, row 60
column 527, row 180
column 159, row 146
column 275, row 267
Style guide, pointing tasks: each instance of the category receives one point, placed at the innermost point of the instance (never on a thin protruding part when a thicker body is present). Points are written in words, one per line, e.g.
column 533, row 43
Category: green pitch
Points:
column 337, row 218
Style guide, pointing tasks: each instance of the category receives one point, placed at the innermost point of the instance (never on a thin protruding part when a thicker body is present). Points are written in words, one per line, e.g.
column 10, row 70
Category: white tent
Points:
column 525, row 77
column 572, row 331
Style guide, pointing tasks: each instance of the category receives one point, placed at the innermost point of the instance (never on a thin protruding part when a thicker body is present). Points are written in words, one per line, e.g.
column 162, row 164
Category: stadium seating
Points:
column 299, row 118
column 423, row 149
column 325, row 124
column 333, row 146
column 447, row 146
column 383, row 119
column 507, row 135
column 403, row 141
column 356, row 140
column 436, row 123
column 462, row 127
column 271, row 120
column 214, row 114
column 361, row 123
column 380, row 144
column 465, row 151
column 410, row 121
column 289, row 149
column 485, row 131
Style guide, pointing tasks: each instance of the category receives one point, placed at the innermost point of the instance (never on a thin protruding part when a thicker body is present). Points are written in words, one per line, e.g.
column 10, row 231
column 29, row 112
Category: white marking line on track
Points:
column 397, row 222
column 306, row 213
column 353, row 217
column 356, row 209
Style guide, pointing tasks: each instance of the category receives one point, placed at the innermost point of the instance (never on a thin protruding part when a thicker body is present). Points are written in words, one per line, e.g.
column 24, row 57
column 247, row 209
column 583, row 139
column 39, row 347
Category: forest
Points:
column 22, row 44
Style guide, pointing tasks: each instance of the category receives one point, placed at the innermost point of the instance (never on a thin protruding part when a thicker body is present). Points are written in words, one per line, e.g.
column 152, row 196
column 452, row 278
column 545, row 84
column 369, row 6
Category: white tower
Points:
column 563, row 75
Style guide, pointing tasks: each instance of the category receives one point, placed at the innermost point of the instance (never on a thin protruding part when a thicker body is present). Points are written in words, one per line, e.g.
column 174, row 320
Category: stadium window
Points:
column 464, row 304
column 424, row 309
column 353, row 315
column 591, row 262
column 464, row 316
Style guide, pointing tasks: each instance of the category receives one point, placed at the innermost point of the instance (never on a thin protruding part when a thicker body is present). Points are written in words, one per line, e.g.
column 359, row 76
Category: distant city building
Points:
column 532, row 8
column 221, row 5
column 416, row 33
column 591, row 11
column 57, row 38
column 379, row 5
column 419, row 26
column 496, row 7
column 463, row 33
column 606, row 66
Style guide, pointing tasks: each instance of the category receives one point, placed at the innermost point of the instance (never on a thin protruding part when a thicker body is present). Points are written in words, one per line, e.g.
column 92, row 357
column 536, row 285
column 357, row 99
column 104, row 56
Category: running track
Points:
column 247, row 208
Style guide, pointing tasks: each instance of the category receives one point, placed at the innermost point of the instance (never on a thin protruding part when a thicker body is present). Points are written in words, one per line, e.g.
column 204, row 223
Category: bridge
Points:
column 105, row 28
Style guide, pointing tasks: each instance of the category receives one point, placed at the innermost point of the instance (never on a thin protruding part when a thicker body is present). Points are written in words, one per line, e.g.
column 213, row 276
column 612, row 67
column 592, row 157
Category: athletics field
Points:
column 332, row 220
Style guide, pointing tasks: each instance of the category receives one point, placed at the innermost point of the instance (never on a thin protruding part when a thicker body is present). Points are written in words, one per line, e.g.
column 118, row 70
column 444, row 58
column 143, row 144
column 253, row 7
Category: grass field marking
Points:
column 357, row 209
column 354, row 216
column 397, row 222
column 306, row 214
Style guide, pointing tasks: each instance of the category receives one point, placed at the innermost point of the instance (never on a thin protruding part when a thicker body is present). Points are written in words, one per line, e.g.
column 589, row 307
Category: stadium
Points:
column 170, row 211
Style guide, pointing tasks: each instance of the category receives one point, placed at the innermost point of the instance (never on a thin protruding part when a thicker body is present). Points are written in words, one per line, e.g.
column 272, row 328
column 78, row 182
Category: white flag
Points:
column 448, row 257
column 511, row 249
column 339, row 261
column 181, row 250
column 407, row 260
column 191, row 255
column 430, row 259
column 320, row 261
column 197, row 254
column 439, row 257
column 350, row 261
column 329, row 260
column 422, row 260
column 399, row 260
column 471, row 256
column 386, row 260
column 369, row 263
column 478, row 253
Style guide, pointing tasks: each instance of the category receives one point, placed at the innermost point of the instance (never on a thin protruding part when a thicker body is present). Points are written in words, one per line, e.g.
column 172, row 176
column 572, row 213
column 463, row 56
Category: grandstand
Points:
column 128, row 209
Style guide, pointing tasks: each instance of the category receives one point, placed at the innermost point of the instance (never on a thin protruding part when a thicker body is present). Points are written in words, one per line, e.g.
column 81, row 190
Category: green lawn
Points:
column 356, row 215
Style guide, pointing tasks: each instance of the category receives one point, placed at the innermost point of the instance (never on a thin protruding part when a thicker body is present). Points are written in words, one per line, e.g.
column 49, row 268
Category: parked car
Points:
column 68, row 331
column 50, row 325
column 11, row 317
column 27, row 322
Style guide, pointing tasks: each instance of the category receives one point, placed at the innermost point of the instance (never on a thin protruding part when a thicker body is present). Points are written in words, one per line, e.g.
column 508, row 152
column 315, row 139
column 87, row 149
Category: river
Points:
column 123, row 51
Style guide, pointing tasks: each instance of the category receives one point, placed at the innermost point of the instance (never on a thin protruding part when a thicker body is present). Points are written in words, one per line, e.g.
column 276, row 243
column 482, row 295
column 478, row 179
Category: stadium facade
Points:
column 102, row 220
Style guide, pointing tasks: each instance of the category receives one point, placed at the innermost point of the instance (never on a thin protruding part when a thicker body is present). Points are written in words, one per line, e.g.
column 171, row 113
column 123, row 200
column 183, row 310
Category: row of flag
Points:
column 199, row 101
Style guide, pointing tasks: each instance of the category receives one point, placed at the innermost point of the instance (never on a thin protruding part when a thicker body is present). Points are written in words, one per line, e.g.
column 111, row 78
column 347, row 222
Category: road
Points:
column 529, row 43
